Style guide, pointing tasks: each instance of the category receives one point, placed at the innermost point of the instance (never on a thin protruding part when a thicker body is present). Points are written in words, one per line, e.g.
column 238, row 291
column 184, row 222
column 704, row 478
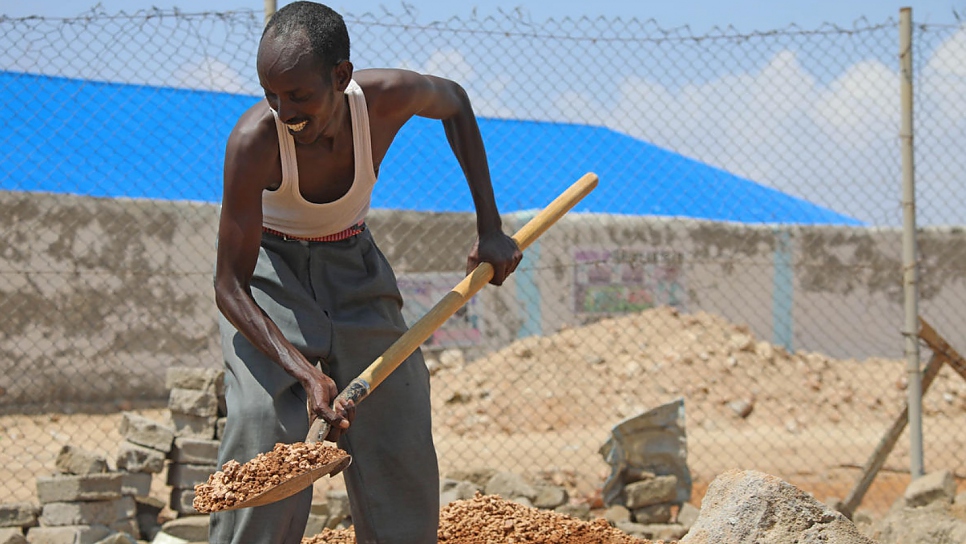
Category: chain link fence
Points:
column 742, row 253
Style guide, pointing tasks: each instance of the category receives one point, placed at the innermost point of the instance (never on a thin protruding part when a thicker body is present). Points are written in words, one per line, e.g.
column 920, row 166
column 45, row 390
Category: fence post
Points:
column 910, row 280
column 270, row 8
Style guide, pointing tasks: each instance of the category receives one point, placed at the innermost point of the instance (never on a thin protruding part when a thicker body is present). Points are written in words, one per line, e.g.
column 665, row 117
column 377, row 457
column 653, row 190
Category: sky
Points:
column 815, row 115
column 699, row 15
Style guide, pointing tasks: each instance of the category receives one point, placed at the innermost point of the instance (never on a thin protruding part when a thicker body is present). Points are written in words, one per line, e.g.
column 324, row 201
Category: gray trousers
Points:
column 335, row 301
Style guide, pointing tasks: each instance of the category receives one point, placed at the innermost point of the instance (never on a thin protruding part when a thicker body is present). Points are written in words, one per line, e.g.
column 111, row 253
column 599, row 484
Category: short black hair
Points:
column 325, row 28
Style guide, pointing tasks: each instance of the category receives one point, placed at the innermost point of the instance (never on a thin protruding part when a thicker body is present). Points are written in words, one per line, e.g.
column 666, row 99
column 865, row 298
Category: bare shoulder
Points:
column 252, row 148
column 391, row 91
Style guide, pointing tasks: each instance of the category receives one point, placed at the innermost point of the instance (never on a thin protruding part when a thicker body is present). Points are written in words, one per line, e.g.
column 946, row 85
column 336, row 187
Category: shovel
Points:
column 382, row 367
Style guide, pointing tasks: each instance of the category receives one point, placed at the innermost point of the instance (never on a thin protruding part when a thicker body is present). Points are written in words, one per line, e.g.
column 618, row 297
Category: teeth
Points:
column 298, row 127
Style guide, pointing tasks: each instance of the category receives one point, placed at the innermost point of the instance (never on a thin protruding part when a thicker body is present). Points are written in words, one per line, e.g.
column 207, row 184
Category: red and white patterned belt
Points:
column 342, row 235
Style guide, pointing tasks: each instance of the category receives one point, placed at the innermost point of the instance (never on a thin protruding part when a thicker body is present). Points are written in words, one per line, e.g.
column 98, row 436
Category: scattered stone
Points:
column 136, row 484
column 193, row 402
column 617, row 514
column 933, row 487
column 647, row 492
column 549, row 497
column 195, row 451
column 12, row 535
column 68, row 488
column 188, row 528
column 510, row 486
column 134, row 458
column 60, row 514
column 193, row 426
column 199, row 379
column 579, row 511
column 73, row 460
column 655, row 513
column 145, row 432
column 338, row 506
column 21, row 514
column 182, row 476
column 78, row 534
column 452, row 490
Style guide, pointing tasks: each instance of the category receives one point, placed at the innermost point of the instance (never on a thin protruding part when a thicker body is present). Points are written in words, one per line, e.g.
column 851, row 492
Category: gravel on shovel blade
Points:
column 236, row 483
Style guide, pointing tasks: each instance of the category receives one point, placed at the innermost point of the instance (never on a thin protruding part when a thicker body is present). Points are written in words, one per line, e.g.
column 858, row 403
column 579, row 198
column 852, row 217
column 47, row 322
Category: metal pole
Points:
column 270, row 8
column 910, row 265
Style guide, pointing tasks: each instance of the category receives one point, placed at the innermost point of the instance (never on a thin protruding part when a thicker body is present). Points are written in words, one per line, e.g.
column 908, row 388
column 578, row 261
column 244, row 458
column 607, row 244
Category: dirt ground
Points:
column 543, row 406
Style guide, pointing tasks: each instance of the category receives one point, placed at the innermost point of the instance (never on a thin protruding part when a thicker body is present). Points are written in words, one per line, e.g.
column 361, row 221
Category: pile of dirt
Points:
column 236, row 483
column 604, row 372
column 489, row 518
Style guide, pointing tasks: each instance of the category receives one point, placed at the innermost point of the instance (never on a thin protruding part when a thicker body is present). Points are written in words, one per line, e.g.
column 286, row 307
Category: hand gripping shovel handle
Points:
column 371, row 377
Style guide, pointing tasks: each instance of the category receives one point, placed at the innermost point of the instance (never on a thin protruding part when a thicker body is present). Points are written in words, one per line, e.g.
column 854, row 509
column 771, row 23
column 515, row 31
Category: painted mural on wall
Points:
column 422, row 291
column 623, row 280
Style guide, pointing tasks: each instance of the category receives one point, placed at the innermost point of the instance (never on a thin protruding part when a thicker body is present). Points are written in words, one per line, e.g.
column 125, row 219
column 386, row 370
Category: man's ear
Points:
column 342, row 75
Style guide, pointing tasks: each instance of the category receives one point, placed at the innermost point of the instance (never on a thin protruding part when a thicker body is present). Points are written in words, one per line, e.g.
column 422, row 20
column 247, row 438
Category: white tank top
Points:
column 285, row 210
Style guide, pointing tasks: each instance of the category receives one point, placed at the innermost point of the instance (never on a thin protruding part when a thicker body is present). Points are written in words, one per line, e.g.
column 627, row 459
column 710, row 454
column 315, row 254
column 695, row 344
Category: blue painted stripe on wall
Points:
column 783, row 295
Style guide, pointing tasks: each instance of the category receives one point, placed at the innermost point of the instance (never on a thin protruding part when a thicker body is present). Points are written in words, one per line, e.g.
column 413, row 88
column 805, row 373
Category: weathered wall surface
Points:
column 98, row 297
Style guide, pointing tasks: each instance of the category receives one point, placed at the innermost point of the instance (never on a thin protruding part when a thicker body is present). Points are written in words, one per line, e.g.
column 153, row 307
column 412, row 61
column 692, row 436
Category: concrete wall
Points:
column 98, row 297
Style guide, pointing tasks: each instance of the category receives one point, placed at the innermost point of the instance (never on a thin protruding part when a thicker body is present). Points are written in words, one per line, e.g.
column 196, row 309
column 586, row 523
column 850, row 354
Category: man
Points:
column 307, row 299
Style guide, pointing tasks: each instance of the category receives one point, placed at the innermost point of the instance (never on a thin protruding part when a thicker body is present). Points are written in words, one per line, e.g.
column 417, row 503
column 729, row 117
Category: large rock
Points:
column 924, row 514
column 745, row 507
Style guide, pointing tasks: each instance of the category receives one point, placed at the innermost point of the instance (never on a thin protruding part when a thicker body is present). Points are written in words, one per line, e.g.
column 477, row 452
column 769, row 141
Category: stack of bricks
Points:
column 15, row 519
column 85, row 503
column 197, row 406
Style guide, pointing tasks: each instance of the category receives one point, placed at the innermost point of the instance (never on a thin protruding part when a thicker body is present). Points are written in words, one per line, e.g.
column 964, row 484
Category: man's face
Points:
column 297, row 87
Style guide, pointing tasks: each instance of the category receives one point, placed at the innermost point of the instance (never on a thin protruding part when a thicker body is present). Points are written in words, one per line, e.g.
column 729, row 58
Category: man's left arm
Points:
column 439, row 98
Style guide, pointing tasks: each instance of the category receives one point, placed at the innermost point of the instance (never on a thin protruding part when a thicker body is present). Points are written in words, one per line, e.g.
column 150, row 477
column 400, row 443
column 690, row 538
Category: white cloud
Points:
column 450, row 64
column 213, row 75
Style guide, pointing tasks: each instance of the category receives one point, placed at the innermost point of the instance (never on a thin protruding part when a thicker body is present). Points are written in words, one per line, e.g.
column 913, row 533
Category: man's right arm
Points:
column 251, row 162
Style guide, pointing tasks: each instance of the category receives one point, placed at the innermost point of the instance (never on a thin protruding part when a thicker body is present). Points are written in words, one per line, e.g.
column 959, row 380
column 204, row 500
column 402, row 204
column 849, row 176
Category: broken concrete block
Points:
column 182, row 501
column 77, row 534
column 617, row 514
column 125, row 508
column 193, row 426
column 61, row 514
column 195, row 451
column 655, row 513
column 193, row 402
column 452, row 490
column 314, row 525
column 73, row 460
column 68, row 488
column 937, row 486
column 20, row 514
column 509, row 485
column 647, row 492
column 148, row 511
column 125, row 527
column 188, row 476
column 145, row 432
column 338, row 505
column 136, row 484
column 189, row 528
column 12, row 535
column 550, row 496
column 662, row 532
column 579, row 511
column 199, row 379
column 134, row 458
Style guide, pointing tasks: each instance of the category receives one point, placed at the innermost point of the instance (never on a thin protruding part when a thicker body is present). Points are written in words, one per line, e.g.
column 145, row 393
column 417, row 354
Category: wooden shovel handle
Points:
column 374, row 375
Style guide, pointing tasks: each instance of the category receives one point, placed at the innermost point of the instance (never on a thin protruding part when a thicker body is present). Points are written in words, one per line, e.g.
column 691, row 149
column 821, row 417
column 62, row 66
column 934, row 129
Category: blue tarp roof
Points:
column 118, row 140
